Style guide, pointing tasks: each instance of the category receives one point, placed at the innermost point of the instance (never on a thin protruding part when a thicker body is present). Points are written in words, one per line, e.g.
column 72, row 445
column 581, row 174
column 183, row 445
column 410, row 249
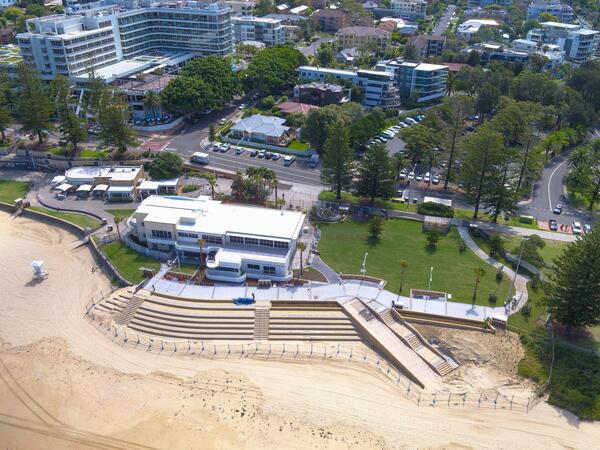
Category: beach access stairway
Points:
column 261, row 320
column 396, row 350
column 411, row 337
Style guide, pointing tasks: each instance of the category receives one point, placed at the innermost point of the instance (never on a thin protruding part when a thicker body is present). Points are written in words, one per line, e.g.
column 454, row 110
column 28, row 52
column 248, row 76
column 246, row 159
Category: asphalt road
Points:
column 549, row 191
column 444, row 21
column 192, row 137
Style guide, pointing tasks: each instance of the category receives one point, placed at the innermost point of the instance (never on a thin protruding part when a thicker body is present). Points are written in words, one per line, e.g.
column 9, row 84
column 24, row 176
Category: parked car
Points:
column 411, row 176
column 587, row 227
column 253, row 153
column 216, row 148
column 242, row 106
column 576, row 227
column 418, row 118
column 410, row 121
column 268, row 155
column 419, row 177
column 225, row 148
column 403, row 175
column 427, row 177
column 436, row 179
column 289, row 160
column 239, row 150
column 261, row 153
column 402, row 124
column 557, row 209
column 222, row 121
column 276, row 156
column 553, row 225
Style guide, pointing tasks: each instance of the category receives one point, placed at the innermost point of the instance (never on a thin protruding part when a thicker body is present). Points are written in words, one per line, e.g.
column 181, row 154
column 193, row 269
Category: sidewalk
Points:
column 520, row 281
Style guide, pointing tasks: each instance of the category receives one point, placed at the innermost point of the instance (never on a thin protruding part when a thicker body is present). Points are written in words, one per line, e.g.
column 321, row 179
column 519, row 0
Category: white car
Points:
column 576, row 227
column 410, row 121
column 402, row 125
column 427, row 177
column 411, row 176
column 419, row 177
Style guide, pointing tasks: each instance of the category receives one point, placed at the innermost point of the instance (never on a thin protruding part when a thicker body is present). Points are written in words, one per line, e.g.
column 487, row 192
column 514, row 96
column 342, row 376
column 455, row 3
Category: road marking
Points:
column 550, row 183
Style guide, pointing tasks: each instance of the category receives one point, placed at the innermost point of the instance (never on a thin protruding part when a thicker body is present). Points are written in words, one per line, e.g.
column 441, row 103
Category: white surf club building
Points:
column 237, row 242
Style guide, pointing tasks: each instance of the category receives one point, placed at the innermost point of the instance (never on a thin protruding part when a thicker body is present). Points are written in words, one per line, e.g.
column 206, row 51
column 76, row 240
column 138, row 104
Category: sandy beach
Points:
column 66, row 385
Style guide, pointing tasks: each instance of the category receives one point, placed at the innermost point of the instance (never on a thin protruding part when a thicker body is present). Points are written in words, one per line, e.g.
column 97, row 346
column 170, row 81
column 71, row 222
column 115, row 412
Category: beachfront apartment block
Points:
column 554, row 7
column 241, row 7
column 269, row 31
column 578, row 44
column 378, row 87
column 419, row 81
column 72, row 45
column 409, row 9
column 236, row 242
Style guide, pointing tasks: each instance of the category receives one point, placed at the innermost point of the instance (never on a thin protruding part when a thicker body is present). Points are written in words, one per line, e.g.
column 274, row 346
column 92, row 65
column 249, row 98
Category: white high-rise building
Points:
column 71, row 45
column 410, row 9
column 261, row 29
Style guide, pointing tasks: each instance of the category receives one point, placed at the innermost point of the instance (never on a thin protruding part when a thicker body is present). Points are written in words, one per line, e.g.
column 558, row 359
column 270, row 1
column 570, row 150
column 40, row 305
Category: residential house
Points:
column 266, row 129
column 467, row 29
column 320, row 94
column 428, row 45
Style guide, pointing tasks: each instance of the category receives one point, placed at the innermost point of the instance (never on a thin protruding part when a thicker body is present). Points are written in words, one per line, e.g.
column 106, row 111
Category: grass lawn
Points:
column 121, row 213
column 78, row 219
column 91, row 153
column 128, row 261
column 298, row 145
column 349, row 198
column 343, row 247
column 513, row 221
column 11, row 190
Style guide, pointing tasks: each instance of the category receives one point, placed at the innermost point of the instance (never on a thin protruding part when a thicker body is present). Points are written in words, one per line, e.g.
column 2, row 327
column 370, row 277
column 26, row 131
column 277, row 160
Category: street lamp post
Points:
column 430, row 277
column 363, row 271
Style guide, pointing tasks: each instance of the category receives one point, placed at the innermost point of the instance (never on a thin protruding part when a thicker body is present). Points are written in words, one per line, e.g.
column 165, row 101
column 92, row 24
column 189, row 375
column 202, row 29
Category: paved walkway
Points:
column 520, row 282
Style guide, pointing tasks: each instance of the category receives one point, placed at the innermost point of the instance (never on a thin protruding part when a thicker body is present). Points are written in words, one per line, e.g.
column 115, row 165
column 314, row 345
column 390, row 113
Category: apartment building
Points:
column 260, row 29
column 71, row 45
column 578, row 44
column 428, row 45
column 419, row 81
column 484, row 3
column 237, row 242
column 350, row 37
column 554, row 7
column 241, row 8
column 5, row 3
column 329, row 20
column 409, row 9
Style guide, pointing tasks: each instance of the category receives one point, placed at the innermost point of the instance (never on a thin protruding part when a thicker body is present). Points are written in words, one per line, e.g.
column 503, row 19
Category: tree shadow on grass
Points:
column 373, row 241
column 430, row 249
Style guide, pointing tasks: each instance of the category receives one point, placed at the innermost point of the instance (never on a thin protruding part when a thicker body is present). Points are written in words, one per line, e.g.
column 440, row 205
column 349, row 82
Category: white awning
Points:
column 100, row 188
column 64, row 187
column 58, row 179
column 147, row 185
column 84, row 188
column 120, row 189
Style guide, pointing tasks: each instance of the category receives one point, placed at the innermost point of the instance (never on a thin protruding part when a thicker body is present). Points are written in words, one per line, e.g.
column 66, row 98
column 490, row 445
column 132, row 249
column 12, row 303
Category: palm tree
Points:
column 212, row 182
column 404, row 265
column 402, row 162
column 275, row 185
column 118, row 220
column 301, row 246
column 479, row 272
column 152, row 103
column 200, row 242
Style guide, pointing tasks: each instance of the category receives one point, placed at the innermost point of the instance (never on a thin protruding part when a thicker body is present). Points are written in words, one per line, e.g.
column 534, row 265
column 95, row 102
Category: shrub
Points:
column 435, row 209
column 166, row 165
column 493, row 298
column 526, row 310
column 189, row 188
column 499, row 276
column 267, row 102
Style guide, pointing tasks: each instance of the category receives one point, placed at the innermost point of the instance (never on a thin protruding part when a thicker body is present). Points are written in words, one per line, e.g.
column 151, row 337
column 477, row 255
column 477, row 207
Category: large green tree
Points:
column 483, row 151
column 337, row 159
column 572, row 293
column 166, row 166
column 218, row 75
column 318, row 123
column 72, row 129
column 273, row 70
column 5, row 116
column 113, row 118
column 584, row 172
column 186, row 95
column 376, row 174
column 34, row 106
column 454, row 112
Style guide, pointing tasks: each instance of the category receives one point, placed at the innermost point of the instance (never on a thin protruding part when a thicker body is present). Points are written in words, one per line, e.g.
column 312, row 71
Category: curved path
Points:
column 520, row 282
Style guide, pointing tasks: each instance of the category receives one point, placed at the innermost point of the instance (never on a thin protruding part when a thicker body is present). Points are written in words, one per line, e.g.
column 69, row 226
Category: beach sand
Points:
column 66, row 385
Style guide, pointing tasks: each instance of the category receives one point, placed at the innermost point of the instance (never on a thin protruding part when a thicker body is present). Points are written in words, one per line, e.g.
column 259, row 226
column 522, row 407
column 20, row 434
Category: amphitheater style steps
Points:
column 127, row 313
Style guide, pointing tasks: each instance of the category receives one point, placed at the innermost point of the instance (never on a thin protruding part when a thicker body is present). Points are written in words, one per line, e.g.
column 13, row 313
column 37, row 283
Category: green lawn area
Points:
column 121, row 213
column 298, row 145
column 11, row 190
column 349, row 198
column 58, row 151
column 453, row 271
column 513, row 220
column 128, row 261
column 82, row 220
column 91, row 153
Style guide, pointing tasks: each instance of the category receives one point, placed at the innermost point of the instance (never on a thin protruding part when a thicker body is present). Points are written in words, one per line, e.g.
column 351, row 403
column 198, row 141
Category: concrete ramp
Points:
column 387, row 342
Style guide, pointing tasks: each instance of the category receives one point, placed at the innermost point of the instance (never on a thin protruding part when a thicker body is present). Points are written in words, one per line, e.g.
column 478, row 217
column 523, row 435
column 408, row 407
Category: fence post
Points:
column 228, row 349
column 189, row 346
column 125, row 339
column 174, row 347
column 449, row 395
column 528, row 400
column 480, row 400
column 496, row 400
column 242, row 349
column 162, row 346
column 214, row 349
column 149, row 344
column 297, row 349
column 419, row 399
column 464, row 399
column 378, row 358
column 325, row 352
column 409, row 386
column 350, row 357
column 338, row 350
column 434, row 397
column 511, row 401
column 388, row 370
column 116, row 331
column 283, row 351
column 269, row 348
column 138, row 339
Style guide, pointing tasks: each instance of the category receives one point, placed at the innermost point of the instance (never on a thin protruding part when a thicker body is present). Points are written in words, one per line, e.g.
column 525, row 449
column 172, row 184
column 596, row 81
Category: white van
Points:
column 289, row 160
column 410, row 121
column 200, row 158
